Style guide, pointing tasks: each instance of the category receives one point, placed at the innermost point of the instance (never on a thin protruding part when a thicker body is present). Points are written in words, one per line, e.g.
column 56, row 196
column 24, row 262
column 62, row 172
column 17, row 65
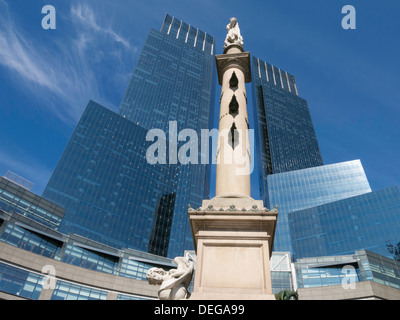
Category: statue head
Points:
column 156, row 275
column 233, row 22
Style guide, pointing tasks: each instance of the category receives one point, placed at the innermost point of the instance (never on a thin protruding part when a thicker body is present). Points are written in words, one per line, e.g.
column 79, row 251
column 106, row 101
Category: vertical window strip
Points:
column 266, row 71
column 288, row 84
column 273, row 74
column 195, row 38
column 179, row 30
column 259, row 70
column 280, row 76
column 295, row 86
column 212, row 47
column 187, row 34
column 169, row 29
column 204, row 41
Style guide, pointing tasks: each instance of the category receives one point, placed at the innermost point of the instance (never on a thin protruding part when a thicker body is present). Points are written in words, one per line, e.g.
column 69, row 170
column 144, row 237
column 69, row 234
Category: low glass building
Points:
column 27, row 248
column 344, row 270
column 369, row 221
column 306, row 188
column 39, row 263
column 15, row 198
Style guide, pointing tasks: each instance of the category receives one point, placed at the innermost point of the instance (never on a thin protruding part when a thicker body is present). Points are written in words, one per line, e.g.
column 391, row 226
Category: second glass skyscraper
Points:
column 172, row 86
column 285, row 132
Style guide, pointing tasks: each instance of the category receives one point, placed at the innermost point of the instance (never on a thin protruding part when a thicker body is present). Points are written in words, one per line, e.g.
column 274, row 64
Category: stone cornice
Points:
column 234, row 60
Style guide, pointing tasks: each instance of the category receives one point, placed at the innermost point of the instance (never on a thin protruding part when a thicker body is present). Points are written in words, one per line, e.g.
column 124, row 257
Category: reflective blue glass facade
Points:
column 20, row 282
column 110, row 192
column 306, row 188
column 14, row 198
column 174, row 81
column 89, row 259
column 68, row 291
column 281, row 272
column 367, row 221
column 24, row 233
column 31, row 241
column 345, row 269
column 327, row 271
column 126, row 297
column 134, row 269
column 286, row 136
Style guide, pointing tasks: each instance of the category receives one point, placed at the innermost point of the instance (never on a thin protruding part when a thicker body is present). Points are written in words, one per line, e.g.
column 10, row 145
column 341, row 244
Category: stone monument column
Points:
column 233, row 233
column 233, row 152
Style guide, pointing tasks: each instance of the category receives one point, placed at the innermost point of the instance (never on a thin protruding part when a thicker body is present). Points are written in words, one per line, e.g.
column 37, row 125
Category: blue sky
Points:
column 348, row 77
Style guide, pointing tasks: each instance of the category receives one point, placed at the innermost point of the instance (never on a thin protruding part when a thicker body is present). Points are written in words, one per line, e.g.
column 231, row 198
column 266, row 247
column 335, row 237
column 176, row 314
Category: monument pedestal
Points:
column 233, row 233
column 233, row 238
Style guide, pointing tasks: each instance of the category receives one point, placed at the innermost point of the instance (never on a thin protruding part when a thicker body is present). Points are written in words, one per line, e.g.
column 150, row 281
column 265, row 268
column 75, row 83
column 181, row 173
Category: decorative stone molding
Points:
column 231, row 208
column 235, row 60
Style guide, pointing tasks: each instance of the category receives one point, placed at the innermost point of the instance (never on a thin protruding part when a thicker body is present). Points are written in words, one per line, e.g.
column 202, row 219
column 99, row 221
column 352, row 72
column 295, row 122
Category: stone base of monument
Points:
column 233, row 237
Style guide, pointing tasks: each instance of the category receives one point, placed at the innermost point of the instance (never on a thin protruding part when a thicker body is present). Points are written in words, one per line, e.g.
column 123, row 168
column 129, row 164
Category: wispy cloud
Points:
column 37, row 68
column 18, row 54
column 60, row 71
column 85, row 16
column 66, row 72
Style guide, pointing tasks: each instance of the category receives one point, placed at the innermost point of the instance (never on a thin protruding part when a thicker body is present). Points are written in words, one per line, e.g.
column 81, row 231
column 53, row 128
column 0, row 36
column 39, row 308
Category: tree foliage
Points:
column 394, row 250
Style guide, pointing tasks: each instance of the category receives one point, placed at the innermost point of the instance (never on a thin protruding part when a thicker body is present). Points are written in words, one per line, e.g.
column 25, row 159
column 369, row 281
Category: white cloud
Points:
column 18, row 54
column 85, row 15
column 66, row 72
column 88, row 61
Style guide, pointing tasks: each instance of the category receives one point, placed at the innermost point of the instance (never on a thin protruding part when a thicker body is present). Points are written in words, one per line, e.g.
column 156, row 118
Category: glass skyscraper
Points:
column 103, row 180
column 369, row 221
column 292, row 176
column 174, row 79
column 112, row 215
column 173, row 86
column 110, row 192
column 286, row 136
column 306, row 188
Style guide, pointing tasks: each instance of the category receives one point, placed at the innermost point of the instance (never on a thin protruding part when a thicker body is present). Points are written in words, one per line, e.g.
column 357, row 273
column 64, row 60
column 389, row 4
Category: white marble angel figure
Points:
column 174, row 283
column 233, row 36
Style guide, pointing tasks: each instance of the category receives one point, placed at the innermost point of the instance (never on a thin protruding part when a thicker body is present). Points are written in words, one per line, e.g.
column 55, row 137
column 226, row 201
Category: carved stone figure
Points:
column 174, row 283
column 233, row 36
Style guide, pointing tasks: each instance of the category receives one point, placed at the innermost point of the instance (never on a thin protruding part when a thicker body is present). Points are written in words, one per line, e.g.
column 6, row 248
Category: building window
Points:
column 30, row 241
column 90, row 259
column 68, row 291
column 20, row 282
column 126, row 297
column 134, row 269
